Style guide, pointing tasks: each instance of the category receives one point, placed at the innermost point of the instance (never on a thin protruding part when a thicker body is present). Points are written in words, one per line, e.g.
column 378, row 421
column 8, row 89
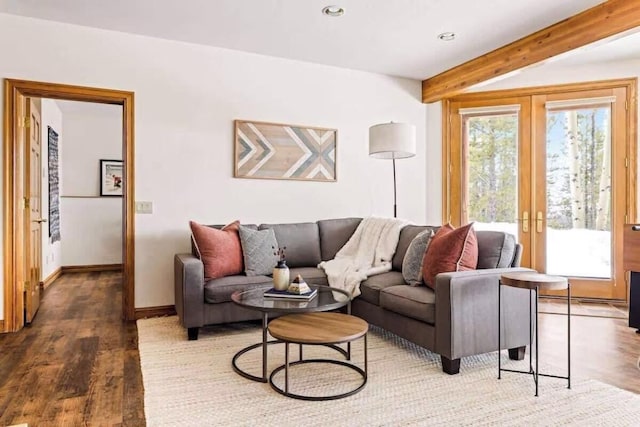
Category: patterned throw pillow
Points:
column 412, row 262
column 451, row 249
column 219, row 250
column 258, row 251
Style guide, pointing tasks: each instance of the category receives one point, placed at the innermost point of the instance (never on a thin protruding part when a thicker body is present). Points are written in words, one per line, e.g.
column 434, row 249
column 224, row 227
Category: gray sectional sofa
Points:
column 458, row 319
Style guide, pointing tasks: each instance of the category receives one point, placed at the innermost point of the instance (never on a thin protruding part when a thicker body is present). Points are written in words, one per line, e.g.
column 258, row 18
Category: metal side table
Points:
column 328, row 329
column 535, row 282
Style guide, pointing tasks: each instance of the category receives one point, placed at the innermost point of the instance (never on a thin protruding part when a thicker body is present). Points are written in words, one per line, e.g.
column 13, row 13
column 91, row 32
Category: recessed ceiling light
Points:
column 333, row 11
column 447, row 37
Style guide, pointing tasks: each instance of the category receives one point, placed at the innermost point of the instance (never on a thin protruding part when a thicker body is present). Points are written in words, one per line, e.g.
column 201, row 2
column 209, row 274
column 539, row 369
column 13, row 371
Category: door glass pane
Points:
column 579, row 192
column 491, row 161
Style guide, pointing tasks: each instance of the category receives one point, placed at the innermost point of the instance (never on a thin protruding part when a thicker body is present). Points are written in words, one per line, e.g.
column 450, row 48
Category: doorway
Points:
column 17, row 222
column 33, row 184
column 555, row 167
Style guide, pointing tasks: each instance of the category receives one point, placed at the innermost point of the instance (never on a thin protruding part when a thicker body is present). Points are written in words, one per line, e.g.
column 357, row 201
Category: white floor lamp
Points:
column 392, row 141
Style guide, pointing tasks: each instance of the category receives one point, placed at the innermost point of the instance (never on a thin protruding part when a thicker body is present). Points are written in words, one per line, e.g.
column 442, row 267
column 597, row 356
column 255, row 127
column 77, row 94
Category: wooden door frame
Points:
column 456, row 159
column 630, row 85
column 620, row 149
column 13, row 320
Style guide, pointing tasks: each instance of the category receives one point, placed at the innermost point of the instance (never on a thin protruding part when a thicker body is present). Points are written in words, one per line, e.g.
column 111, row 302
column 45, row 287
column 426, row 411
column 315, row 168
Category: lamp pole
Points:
column 395, row 206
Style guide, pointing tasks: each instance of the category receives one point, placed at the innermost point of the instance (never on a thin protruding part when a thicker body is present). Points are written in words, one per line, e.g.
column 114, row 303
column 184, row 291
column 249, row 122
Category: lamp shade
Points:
column 392, row 141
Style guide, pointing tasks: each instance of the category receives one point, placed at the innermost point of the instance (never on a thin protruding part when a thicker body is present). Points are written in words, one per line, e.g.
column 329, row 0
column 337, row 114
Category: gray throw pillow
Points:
column 258, row 251
column 412, row 262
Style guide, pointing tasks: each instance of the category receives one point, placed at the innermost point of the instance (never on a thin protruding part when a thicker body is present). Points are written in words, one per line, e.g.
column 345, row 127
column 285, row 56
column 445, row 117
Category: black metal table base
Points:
column 536, row 372
column 319, row 398
column 287, row 364
column 245, row 374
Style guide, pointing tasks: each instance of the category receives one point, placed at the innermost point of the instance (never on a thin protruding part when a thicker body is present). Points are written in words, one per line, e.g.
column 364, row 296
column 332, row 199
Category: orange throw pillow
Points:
column 219, row 250
column 451, row 249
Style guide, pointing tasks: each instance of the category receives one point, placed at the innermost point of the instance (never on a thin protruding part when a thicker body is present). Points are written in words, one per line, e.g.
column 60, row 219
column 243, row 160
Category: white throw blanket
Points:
column 368, row 252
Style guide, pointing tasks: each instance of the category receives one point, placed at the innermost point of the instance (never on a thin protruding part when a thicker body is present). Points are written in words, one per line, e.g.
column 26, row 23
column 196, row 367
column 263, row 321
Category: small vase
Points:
column 281, row 276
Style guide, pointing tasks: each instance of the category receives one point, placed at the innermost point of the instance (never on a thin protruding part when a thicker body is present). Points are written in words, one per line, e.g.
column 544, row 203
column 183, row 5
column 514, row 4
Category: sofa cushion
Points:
column 451, row 249
column 217, row 291
column 370, row 288
column 312, row 275
column 219, row 250
column 334, row 233
column 302, row 242
column 194, row 251
column 496, row 249
column 418, row 302
column 407, row 234
column 412, row 263
column 258, row 251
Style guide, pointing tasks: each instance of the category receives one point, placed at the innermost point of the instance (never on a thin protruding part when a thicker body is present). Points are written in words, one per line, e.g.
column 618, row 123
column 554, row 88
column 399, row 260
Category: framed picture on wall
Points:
column 111, row 178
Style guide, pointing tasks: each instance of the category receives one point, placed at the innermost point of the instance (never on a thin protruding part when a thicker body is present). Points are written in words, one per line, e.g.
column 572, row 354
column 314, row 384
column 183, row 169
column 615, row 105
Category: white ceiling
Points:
column 396, row 37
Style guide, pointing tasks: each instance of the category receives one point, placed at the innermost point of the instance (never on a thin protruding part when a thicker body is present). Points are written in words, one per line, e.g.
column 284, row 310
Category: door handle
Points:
column 525, row 222
column 40, row 221
column 539, row 222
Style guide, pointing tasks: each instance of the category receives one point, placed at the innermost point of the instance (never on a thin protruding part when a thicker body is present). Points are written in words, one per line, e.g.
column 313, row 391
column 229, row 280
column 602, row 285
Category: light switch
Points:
column 144, row 207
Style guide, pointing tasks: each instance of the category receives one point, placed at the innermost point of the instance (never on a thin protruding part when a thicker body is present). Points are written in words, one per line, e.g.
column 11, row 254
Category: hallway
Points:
column 78, row 363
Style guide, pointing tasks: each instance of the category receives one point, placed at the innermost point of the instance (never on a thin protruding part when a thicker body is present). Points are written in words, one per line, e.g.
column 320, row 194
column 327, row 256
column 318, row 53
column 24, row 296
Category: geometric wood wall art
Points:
column 279, row 151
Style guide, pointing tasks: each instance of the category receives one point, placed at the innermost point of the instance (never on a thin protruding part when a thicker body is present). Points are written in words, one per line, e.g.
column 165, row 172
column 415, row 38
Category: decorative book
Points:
column 274, row 293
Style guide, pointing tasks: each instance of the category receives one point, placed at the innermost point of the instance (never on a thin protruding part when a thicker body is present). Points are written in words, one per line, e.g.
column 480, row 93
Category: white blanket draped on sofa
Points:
column 368, row 252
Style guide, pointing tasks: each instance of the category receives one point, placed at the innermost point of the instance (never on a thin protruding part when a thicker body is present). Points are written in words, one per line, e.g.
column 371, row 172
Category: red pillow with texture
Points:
column 219, row 250
column 450, row 249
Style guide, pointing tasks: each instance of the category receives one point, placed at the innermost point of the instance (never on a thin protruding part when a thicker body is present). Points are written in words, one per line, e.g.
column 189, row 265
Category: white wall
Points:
column 91, row 226
column 562, row 72
column 51, row 252
column 91, row 231
column 187, row 97
column 434, row 163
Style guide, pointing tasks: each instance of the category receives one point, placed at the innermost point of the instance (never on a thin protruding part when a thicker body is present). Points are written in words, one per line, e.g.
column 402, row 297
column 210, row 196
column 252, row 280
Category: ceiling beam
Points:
column 604, row 20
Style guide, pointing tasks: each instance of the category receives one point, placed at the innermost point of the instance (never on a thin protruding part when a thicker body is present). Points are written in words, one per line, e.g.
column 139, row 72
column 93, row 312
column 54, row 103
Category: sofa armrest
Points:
column 467, row 313
column 189, row 290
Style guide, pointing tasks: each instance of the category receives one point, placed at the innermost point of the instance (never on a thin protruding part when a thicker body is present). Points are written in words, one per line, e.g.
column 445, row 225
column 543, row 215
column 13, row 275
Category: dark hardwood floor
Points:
column 603, row 347
column 78, row 363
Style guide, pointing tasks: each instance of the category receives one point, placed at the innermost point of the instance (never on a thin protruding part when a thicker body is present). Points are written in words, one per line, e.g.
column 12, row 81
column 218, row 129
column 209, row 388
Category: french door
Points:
column 553, row 169
column 490, row 168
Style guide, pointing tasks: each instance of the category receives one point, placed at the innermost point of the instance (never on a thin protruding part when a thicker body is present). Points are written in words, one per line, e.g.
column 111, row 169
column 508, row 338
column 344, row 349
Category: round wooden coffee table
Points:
column 533, row 281
column 327, row 299
column 318, row 329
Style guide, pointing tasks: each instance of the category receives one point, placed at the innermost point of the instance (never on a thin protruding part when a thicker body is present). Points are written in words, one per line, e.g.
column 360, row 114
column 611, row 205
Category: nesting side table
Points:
column 318, row 329
column 328, row 298
column 535, row 282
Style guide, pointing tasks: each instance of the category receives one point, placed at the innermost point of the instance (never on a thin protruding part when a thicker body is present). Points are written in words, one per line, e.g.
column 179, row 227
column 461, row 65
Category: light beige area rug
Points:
column 192, row 383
